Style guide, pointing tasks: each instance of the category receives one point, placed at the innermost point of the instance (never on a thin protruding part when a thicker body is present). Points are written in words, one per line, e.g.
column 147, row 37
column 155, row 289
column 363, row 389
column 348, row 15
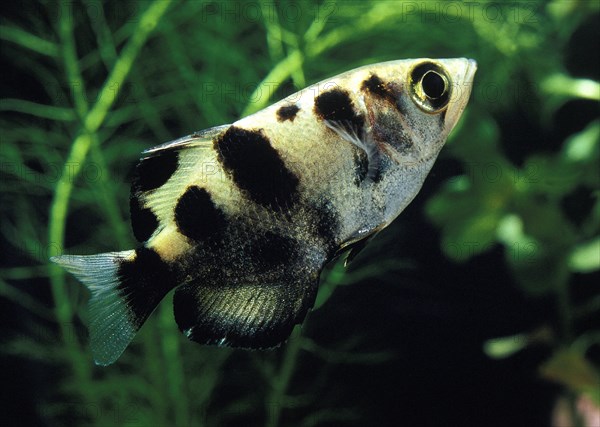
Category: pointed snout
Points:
column 463, row 72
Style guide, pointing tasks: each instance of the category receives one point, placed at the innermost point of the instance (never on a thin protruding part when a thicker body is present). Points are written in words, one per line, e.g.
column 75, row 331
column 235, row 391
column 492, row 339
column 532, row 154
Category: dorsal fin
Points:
column 164, row 173
column 197, row 139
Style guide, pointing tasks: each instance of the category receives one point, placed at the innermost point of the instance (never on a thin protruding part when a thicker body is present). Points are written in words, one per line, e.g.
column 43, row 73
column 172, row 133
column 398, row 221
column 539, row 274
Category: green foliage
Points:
column 521, row 208
column 107, row 81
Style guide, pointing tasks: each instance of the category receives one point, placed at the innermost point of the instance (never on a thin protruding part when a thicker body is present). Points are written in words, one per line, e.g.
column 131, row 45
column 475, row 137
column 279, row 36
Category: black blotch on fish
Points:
column 143, row 220
column 327, row 221
column 196, row 215
column 387, row 128
column 387, row 91
column 143, row 282
column 336, row 105
column 272, row 250
column 256, row 167
column 154, row 171
column 287, row 112
column 361, row 166
column 186, row 310
column 377, row 87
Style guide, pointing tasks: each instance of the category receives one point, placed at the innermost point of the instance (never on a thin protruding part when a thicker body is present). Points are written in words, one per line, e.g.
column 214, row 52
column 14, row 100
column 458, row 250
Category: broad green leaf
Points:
column 470, row 236
column 585, row 258
column 563, row 85
column 571, row 369
column 500, row 348
column 583, row 146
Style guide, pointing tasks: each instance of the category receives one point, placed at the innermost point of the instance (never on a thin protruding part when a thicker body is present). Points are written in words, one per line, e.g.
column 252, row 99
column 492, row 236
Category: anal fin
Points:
column 243, row 315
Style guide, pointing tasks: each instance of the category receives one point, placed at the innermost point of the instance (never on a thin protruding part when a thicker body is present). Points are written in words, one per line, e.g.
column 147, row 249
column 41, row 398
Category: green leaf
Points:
column 585, row 258
column 563, row 85
column 551, row 176
column 470, row 236
column 538, row 267
column 571, row 369
column 583, row 146
column 500, row 348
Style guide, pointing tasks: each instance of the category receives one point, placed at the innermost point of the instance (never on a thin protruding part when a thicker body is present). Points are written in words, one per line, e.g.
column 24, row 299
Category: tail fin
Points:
column 126, row 287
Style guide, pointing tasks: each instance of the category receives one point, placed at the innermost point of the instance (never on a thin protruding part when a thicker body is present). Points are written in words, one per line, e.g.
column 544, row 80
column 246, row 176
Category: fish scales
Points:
column 240, row 219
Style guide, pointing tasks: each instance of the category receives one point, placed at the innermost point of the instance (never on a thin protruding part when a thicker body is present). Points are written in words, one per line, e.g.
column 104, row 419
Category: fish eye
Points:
column 430, row 87
column 434, row 85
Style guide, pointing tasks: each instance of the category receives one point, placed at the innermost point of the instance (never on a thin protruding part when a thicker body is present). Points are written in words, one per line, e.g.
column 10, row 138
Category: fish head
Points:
column 413, row 105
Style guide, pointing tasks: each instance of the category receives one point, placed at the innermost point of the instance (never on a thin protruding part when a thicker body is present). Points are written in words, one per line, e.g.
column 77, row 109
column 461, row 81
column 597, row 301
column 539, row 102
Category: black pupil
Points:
column 433, row 84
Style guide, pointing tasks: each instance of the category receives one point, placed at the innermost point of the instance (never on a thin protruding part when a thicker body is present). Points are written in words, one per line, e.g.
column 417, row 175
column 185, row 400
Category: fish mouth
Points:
column 471, row 69
column 462, row 91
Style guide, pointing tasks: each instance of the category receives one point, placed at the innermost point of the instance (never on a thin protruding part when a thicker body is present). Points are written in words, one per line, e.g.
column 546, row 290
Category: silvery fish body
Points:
column 241, row 219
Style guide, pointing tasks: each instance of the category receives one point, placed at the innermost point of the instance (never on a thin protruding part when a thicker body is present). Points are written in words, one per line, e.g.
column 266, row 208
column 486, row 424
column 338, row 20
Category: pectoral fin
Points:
column 354, row 245
column 364, row 141
column 355, row 249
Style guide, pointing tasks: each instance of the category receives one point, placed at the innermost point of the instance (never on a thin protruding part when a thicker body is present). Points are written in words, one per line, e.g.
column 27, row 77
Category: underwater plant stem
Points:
column 334, row 278
column 156, row 369
column 315, row 46
column 273, row 33
column 174, row 366
column 565, row 312
column 28, row 40
column 93, row 119
column 118, row 74
column 108, row 198
column 24, row 299
column 106, row 47
column 77, row 156
column 275, row 78
column 63, row 309
column 279, row 385
column 69, row 56
column 49, row 112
